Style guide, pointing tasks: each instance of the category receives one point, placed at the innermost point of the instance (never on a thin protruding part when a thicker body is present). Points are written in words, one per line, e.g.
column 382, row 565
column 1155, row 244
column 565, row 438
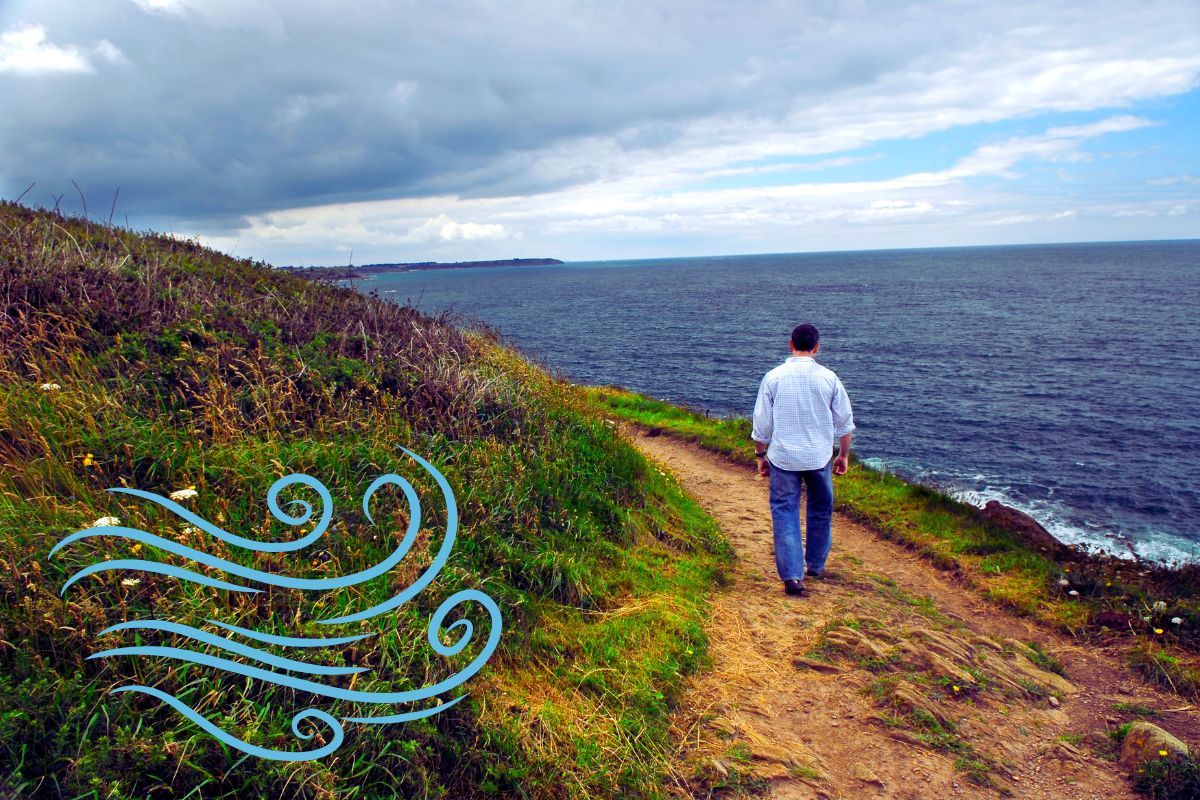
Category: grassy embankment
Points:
column 154, row 363
column 1126, row 604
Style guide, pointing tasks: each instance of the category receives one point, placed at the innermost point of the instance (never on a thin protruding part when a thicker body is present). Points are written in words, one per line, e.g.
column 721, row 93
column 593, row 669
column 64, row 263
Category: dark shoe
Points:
column 818, row 575
column 793, row 587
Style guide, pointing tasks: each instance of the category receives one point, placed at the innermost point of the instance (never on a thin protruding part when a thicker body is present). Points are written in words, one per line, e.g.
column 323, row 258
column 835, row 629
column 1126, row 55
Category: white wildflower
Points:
column 50, row 387
column 1073, row 593
column 188, row 530
column 131, row 582
column 1159, row 606
column 1176, row 620
column 184, row 494
column 105, row 522
column 1064, row 582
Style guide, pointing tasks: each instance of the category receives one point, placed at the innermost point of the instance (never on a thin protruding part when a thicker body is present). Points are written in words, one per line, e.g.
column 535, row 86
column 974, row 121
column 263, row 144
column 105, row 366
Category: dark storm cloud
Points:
column 222, row 109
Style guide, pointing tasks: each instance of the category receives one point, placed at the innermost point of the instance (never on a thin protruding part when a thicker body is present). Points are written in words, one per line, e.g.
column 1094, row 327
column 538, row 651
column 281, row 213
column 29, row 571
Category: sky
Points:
column 305, row 132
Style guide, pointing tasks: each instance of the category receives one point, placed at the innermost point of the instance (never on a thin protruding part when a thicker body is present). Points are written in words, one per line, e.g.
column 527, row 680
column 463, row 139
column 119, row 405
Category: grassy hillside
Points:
column 154, row 363
column 1133, row 606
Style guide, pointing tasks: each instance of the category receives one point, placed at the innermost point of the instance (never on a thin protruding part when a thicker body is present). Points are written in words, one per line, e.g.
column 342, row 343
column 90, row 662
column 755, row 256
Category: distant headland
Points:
column 348, row 272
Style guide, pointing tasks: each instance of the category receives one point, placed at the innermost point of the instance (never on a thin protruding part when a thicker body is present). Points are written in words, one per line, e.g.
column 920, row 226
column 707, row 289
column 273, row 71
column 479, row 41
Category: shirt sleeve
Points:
column 843, row 415
column 764, row 418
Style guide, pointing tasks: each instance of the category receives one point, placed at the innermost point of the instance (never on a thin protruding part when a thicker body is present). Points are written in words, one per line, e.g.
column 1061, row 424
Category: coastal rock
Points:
column 1026, row 527
column 1145, row 742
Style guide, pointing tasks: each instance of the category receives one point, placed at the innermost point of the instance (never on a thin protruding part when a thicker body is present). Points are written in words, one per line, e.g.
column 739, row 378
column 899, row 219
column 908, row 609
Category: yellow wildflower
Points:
column 1162, row 752
column 1158, row 630
column 88, row 460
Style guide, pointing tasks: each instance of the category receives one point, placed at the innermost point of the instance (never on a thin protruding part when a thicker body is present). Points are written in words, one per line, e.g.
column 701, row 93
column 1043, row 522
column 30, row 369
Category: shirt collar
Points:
column 800, row 358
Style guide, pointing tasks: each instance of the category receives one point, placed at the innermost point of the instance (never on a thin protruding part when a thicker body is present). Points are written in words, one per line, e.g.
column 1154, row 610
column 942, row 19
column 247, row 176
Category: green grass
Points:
column 1138, row 709
column 1136, row 600
column 1044, row 660
column 178, row 367
column 1175, row 777
column 1169, row 670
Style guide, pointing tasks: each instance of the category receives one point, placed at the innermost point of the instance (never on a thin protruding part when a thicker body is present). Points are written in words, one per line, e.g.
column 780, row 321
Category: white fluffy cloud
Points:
column 24, row 50
column 162, row 6
column 443, row 229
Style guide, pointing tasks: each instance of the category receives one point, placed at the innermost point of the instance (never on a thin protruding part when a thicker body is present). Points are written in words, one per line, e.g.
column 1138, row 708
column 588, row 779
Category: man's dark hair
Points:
column 805, row 337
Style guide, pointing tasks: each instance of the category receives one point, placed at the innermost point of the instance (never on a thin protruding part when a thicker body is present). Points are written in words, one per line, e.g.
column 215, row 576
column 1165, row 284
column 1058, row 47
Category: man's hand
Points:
column 842, row 462
column 764, row 466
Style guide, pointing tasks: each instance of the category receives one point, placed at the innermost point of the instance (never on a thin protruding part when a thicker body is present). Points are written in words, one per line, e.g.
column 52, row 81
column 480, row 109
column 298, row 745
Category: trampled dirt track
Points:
column 798, row 700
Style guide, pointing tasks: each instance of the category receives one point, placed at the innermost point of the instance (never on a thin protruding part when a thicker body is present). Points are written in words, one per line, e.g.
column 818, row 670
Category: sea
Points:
column 1062, row 380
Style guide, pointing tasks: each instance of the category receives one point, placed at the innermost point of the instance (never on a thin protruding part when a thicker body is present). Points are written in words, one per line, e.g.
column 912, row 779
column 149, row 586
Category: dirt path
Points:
column 886, row 680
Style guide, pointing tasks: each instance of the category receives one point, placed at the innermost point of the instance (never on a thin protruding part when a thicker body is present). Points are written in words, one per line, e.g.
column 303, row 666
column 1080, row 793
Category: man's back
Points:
column 801, row 408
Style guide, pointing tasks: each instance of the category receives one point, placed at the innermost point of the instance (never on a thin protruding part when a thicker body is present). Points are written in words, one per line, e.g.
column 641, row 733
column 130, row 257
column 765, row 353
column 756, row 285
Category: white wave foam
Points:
column 1153, row 546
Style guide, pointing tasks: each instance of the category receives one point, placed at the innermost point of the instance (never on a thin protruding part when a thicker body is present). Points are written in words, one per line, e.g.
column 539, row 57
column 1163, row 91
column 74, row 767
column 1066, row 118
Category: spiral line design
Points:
column 292, row 672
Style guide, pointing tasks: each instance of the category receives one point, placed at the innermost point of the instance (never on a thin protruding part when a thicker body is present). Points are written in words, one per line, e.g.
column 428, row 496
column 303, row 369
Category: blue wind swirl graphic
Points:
column 287, row 671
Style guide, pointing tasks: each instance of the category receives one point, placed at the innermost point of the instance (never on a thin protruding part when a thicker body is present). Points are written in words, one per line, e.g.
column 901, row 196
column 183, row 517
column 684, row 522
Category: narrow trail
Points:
column 886, row 680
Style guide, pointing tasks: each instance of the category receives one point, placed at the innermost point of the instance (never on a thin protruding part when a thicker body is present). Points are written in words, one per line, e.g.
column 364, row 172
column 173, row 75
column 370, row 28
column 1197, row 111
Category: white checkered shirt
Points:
column 801, row 409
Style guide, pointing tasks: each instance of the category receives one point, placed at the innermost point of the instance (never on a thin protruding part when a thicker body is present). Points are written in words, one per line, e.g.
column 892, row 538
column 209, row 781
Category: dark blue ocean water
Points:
column 1061, row 379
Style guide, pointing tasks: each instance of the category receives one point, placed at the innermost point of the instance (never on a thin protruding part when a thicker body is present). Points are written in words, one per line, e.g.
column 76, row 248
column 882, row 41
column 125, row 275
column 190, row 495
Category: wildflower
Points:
column 1073, row 593
column 1162, row 752
column 1176, row 620
column 1145, row 619
column 957, row 689
column 88, row 460
column 1158, row 630
column 183, row 494
column 1067, row 569
column 1159, row 606
column 131, row 582
column 105, row 522
column 50, row 387
column 1064, row 582
column 1108, row 583
column 188, row 530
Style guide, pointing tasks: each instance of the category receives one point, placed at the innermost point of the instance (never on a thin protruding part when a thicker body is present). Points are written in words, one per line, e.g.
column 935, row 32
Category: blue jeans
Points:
column 791, row 554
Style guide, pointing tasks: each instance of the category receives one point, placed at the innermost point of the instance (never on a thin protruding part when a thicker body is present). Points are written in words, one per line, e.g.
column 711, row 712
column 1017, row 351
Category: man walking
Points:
column 801, row 408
